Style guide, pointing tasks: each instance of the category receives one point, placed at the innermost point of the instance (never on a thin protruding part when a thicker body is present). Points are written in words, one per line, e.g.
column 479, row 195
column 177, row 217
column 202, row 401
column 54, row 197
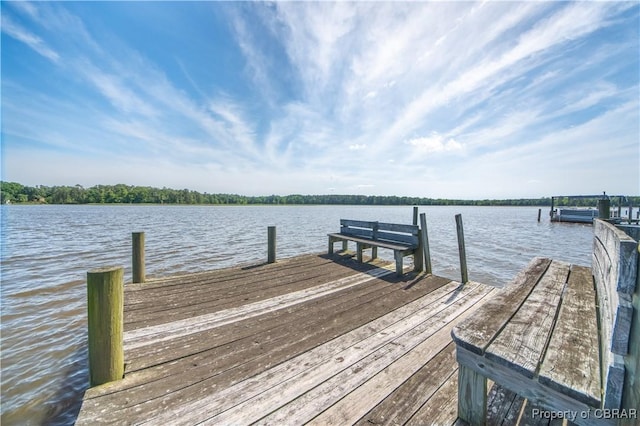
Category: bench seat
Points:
column 404, row 240
column 368, row 242
column 561, row 336
column 539, row 338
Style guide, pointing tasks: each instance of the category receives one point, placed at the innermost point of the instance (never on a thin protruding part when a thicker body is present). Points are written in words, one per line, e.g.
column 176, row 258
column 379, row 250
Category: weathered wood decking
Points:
column 313, row 339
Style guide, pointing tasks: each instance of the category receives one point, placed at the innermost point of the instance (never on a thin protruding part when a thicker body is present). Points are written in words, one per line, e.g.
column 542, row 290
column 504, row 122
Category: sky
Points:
column 431, row 99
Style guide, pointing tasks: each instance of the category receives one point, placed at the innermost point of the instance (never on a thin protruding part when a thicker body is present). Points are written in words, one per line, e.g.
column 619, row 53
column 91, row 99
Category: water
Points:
column 47, row 250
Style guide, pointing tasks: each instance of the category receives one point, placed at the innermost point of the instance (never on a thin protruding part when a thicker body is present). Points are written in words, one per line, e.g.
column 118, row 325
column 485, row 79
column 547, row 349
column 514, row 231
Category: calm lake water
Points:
column 47, row 250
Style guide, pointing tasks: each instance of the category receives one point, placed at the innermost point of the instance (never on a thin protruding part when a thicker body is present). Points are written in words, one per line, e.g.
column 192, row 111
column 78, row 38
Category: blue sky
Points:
column 430, row 99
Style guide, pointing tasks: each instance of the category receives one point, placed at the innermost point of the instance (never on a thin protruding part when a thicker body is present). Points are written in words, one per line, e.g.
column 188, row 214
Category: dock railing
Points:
column 616, row 256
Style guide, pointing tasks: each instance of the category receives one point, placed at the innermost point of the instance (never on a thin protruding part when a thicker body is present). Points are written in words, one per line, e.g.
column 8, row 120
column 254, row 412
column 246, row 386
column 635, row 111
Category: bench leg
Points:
column 374, row 252
column 331, row 245
column 472, row 396
column 359, row 249
column 398, row 256
column 418, row 260
column 344, row 245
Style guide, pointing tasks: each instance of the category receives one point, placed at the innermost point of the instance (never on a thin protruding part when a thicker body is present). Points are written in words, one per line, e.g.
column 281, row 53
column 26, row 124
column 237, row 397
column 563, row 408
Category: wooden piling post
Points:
column 271, row 244
column 425, row 243
column 539, row 214
column 461, row 249
column 604, row 208
column 137, row 257
column 415, row 215
column 105, row 311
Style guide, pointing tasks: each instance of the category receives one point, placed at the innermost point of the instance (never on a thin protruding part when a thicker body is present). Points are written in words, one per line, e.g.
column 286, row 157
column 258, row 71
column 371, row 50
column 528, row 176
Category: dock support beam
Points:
column 425, row 243
column 415, row 215
column 461, row 249
column 105, row 311
column 472, row 396
column 271, row 244
column 137, row 257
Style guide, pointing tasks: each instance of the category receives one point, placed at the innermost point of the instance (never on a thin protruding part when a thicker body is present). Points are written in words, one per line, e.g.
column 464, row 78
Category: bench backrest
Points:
column 615, row 269
column 380, row 231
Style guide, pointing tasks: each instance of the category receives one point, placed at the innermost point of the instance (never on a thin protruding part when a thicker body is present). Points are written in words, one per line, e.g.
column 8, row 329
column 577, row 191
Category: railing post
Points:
column 415, row 215
column 425, row 243
column 137, row 257
column 271, row 244
column 461, row 249
column 105, row 312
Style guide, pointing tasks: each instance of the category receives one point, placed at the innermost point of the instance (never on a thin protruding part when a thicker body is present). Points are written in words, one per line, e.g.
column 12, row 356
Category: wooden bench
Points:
column 558, row 335
column 404, row 240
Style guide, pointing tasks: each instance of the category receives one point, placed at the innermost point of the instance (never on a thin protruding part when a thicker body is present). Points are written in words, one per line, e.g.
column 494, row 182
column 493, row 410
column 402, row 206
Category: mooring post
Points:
column 461, row 249
column 137, row 257
column 271, row 244
column 425, row 243
column 604, row 208
column 105, row 311
column 539, row 214
column 415, row 215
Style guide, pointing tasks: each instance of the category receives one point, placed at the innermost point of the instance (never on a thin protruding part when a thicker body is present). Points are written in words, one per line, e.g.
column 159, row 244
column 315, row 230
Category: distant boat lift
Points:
column 579, row 214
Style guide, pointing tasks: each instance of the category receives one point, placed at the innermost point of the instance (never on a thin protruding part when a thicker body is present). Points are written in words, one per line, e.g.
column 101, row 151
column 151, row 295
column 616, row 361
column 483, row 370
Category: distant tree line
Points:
column 13, row 192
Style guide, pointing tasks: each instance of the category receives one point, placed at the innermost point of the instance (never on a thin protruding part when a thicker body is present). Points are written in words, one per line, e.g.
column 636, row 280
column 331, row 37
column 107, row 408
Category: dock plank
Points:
column 308, row 321
column 252, row 399
column 222, row 291
column 501, row 308
column 252, row 363
column 363, row 399
column 400, row 405
column 239, row 338
column 152, row 335
column 522, row 342
column 231, row 292
column 441, row 408
column 264, row 325
column 575, row 336
column 362, row 396
column 320, row 339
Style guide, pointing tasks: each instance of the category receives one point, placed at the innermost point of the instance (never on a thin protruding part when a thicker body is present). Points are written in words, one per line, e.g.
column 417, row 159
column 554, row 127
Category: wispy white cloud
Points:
column 322, row 27
column 572, row 22
column 236, row 125
column 33, row 41
column 113, row 88
column 435, row 143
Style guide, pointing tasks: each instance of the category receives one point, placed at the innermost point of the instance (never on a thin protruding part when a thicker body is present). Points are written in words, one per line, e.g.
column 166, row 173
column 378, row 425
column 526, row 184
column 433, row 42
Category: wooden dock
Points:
column 313, row 339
